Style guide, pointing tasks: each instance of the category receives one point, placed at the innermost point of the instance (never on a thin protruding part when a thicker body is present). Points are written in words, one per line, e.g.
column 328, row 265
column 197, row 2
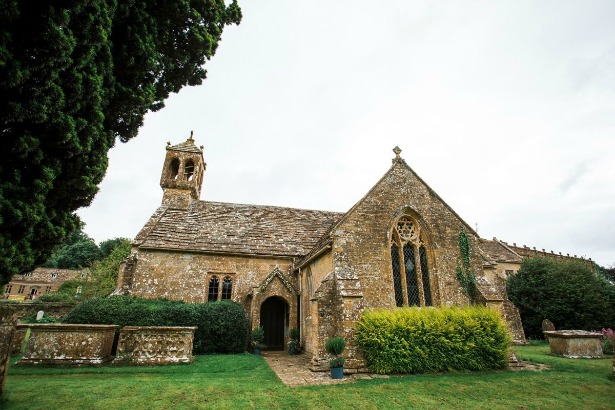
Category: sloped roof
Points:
column 186, row 146
column 206, row 226
column 496, row 251
column 325, row 239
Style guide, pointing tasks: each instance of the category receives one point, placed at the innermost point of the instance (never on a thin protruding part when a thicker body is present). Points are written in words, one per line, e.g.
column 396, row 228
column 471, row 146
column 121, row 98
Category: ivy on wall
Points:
column 465, row 274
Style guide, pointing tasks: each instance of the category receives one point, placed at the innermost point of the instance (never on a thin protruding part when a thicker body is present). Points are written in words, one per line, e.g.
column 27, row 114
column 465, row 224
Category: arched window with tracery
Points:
column 214, row 286
column 409, row 261
column 227, row 288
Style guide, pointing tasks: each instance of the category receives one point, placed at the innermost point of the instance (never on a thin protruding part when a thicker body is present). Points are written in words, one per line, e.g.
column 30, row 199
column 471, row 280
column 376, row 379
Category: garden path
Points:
column 293, row 370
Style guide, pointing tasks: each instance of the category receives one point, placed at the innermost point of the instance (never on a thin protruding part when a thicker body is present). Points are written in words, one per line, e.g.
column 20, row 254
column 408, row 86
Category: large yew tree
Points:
column 74, row 77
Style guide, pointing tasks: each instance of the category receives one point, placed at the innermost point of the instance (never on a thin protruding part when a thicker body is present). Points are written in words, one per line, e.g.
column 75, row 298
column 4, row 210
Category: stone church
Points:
column 312, row 270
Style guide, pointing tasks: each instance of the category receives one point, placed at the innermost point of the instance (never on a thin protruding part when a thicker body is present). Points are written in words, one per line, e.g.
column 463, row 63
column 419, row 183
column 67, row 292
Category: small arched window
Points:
column 189, row 170
column 227, row 288
column 409, row 261
column 214, row 286
column 174, row 168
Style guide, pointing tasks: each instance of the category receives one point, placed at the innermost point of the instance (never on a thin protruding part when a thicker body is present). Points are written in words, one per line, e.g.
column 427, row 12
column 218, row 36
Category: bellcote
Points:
column 182, row 172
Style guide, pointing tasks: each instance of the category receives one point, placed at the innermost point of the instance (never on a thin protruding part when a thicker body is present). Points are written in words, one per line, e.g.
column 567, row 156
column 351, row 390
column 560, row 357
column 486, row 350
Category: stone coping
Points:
column 160, row 328
column 66, row 327
column 572, row 334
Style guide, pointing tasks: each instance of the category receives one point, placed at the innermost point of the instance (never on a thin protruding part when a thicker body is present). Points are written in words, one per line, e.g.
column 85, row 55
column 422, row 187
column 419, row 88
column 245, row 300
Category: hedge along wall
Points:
column 415, row 340
column 222, row 326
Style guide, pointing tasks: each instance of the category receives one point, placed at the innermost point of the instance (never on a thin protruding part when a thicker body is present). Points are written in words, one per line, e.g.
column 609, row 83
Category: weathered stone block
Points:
column 19, row 337
column 151, row 345
column 575, row 344
column 7, row 329
column 69, row 344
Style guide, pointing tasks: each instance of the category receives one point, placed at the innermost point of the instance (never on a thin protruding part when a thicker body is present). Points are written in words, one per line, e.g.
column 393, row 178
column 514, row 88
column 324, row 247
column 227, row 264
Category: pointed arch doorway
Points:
column 274, row 320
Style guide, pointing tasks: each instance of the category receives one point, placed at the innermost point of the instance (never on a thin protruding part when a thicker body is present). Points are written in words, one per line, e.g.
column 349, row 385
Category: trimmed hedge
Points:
column 415, row 340
column 222, row 326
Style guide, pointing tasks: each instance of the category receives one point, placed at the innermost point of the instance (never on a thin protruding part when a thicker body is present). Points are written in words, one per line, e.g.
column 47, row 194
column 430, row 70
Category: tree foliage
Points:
column 568, row 293
column 77, row 251
column 74, row 76
column 102, row 279
column 102, row 276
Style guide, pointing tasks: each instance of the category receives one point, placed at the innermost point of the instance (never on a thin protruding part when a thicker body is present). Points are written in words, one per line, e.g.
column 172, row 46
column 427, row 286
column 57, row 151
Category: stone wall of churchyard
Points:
column 23, row 309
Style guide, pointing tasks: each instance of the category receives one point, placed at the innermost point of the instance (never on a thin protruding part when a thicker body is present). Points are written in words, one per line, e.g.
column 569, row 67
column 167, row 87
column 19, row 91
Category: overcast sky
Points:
column 505, row 108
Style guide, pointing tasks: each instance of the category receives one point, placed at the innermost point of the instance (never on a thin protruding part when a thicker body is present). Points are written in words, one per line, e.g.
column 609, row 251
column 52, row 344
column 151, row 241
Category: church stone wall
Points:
column 361, row 249
column 361, row 242
column 185, row 276
column 316, row 270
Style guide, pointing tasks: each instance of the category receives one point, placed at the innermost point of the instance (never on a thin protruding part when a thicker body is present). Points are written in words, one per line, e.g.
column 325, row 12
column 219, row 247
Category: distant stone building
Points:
column 312, row 270
column 39, row 282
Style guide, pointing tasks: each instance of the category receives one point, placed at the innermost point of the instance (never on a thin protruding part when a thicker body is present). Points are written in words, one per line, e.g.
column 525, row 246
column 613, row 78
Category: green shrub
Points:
column 257, row 338
column 415, row 340
column 55, row 297
column 568, row 293
column 222, row 326
column 31, row 318
column 335, row 345
column 337, row 362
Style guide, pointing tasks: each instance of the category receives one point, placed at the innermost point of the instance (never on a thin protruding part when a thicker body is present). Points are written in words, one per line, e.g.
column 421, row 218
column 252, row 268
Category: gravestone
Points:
column 547, row 326
column 40, row 315
column 7, row 329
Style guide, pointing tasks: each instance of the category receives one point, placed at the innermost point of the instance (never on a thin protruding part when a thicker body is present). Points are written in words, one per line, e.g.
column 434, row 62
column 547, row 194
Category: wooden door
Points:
column 274, row 317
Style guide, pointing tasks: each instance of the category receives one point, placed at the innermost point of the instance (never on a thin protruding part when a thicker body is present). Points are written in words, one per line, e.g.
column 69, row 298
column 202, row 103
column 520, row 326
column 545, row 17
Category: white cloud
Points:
column 504, row 108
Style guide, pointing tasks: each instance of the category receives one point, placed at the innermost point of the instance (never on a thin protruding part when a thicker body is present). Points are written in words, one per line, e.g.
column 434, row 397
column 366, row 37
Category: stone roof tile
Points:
column 497, row 252
column 236, row 228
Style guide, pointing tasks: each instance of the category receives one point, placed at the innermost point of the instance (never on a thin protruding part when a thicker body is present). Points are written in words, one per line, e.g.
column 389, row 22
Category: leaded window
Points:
column 219, row 288
column 227, row 287
column 409, row 262
column 214, row 285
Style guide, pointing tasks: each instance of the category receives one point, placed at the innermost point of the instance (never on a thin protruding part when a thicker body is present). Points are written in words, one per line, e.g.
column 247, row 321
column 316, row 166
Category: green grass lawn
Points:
column 245, row 381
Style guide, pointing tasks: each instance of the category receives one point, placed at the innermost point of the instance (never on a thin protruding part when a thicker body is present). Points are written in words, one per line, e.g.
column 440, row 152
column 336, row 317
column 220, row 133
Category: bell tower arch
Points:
column 182, row 172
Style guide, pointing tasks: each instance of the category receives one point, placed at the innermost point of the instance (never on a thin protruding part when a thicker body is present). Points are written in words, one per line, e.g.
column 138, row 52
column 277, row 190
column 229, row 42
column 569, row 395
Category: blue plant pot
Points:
column 337, row 372
column 256, row 351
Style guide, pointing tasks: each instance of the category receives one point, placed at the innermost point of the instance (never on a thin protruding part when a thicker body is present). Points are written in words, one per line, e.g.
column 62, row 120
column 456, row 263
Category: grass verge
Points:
column 246, row 382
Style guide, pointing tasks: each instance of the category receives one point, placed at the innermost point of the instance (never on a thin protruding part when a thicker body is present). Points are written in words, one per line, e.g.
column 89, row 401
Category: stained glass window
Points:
column 399, row 296
column 409, row 263
column 425, row 273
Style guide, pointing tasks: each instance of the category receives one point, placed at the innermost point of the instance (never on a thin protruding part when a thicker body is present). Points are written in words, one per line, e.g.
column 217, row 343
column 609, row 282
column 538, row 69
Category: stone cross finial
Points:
column 397, row 151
